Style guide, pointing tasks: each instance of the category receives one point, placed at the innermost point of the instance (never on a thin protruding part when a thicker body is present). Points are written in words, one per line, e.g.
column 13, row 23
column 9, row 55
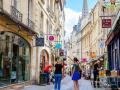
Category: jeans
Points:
column 58, row 78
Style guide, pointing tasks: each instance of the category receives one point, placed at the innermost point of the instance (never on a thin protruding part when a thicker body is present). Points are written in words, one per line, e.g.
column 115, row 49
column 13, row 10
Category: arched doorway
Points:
column 44, row 59
column 14, row 58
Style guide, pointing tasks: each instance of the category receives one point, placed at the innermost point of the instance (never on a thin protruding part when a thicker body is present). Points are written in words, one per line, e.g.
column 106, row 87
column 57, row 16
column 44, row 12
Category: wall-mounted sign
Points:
column 21, row 42
column 101, row 44
column 61, row 52
column 39, row 41
column 51, row 38
column 92, row 54
column 84, row 59
column 106, row 23
column 58, row 46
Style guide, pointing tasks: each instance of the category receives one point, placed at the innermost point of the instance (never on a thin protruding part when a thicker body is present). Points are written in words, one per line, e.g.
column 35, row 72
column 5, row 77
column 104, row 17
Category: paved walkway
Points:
column 67, row 84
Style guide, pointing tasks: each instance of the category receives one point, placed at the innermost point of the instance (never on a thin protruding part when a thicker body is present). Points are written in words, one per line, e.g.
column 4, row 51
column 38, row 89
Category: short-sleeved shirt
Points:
column 76, row 67
column 58, row 68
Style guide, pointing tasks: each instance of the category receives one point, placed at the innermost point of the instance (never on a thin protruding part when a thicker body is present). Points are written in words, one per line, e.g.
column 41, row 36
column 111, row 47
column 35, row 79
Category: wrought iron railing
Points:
column 16, row 14
column 31, row 24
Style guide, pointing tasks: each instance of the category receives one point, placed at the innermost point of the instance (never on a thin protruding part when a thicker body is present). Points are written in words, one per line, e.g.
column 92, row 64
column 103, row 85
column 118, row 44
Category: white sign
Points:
column 101, row 44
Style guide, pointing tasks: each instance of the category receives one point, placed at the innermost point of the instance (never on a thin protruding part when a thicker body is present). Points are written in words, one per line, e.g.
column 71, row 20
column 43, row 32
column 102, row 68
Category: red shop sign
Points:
column 106, row 23
column 51, row 38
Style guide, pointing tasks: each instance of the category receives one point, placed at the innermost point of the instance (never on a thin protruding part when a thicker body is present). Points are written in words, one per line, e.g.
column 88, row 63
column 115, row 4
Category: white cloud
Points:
column 71, row 19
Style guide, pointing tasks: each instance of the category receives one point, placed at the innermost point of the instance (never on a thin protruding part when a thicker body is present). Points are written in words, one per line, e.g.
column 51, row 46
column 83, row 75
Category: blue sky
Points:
column 77, row 5
column 73, row 9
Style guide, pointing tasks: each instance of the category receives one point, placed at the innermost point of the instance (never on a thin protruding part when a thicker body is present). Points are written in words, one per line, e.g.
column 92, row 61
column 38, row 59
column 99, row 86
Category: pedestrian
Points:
column 76, row 75
column 96, row 75
column 47, row 71
column 58, row 74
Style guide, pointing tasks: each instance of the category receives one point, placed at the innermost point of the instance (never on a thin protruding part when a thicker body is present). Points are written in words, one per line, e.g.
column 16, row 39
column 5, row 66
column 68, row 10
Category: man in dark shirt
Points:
column 58, row 75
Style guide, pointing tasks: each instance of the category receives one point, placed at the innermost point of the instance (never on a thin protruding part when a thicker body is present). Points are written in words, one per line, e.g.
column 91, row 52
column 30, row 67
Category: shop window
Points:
column 14, row 59
column 1, row 3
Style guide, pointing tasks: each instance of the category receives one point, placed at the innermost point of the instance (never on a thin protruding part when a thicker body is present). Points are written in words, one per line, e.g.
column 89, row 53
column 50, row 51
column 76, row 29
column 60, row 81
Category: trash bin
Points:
column 43, row 79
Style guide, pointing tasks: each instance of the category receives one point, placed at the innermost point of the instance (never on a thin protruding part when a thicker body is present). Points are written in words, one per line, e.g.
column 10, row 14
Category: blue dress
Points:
column 76, row 73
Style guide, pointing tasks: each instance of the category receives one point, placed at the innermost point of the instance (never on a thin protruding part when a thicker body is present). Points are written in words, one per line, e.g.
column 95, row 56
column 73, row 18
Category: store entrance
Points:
column 14, row 59
column 14, row 65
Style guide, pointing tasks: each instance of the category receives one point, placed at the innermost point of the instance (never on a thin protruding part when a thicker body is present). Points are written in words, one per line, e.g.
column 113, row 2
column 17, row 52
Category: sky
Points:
column 73, row 9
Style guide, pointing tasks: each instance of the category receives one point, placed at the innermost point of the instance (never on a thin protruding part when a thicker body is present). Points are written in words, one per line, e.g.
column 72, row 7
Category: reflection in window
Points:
column 14, row 59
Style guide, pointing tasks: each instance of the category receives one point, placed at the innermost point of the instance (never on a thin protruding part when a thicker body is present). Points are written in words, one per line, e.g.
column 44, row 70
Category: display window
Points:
column 14, row 59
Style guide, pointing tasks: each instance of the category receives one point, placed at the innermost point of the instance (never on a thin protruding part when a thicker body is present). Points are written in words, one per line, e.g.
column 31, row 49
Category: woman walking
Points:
column 58, row 74
column 76, row 75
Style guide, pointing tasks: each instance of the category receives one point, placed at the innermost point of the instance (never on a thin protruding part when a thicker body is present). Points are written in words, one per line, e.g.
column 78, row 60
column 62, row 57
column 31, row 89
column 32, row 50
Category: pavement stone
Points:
column 66, row 84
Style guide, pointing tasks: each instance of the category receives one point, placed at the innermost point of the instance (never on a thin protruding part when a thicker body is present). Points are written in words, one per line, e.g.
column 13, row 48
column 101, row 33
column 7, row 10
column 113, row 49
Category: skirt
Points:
column 76, row 75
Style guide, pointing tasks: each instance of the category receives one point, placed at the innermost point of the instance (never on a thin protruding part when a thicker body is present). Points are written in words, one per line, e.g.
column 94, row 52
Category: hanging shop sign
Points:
column 106, row 23
column 21, row 42
column 84, row 60
column 61, row 52
column 101, row 44
column 58, row 46
column 51, row 38
column 92, row 54
column 39, row 41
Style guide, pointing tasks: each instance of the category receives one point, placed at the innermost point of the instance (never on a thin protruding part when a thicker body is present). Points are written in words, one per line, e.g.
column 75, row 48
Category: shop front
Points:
column 14, row 59
column 114, row 53
column 113, row 45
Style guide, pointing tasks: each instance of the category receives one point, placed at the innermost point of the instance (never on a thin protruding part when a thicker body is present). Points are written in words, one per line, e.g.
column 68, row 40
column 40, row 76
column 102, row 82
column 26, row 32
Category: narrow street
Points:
column 67, row 84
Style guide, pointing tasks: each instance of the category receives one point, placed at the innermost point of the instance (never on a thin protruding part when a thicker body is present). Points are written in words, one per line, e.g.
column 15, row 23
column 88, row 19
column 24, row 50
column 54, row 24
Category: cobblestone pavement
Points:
column 67, row 84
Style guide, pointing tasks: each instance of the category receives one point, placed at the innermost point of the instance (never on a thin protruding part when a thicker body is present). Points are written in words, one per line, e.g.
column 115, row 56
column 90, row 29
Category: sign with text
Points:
column 39, row 41
column 106, row 23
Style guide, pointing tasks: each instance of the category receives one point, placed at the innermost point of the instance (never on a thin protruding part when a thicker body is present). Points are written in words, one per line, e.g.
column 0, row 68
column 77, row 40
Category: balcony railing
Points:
column 16, row 14
column 31, row 24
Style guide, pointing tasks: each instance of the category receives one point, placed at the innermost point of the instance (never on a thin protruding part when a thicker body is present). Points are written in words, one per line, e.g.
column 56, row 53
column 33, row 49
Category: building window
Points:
column 30, row 9
column 1, row 4
column 41, row 22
